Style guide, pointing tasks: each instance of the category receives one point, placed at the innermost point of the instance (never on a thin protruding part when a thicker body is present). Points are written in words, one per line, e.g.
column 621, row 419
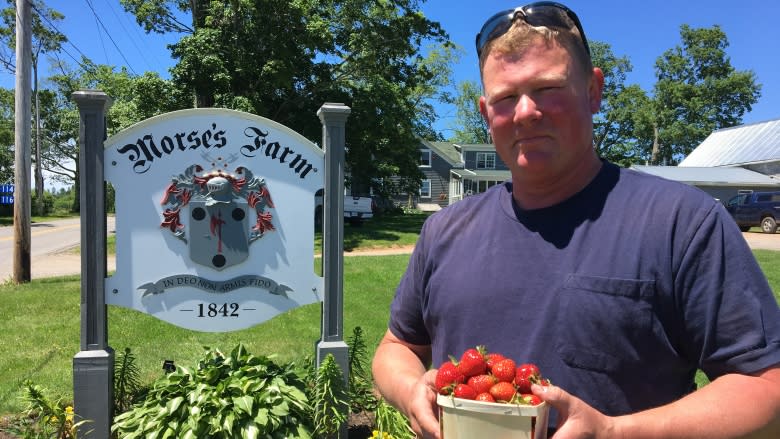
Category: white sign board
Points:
column 214, row 218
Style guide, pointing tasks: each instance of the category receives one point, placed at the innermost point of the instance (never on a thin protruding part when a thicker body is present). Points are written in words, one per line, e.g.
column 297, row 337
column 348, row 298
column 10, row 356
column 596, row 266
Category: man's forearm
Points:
column 733, row 406
column 396, row 370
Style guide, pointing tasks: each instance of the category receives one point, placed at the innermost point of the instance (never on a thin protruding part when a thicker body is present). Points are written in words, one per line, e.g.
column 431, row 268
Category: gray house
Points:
column 732, row 160
column 744, row 158
column 452, row 171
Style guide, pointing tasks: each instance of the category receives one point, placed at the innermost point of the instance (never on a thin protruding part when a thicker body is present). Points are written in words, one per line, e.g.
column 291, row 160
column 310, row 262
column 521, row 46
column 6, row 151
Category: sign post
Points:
column 93, row 366
column 334, row 118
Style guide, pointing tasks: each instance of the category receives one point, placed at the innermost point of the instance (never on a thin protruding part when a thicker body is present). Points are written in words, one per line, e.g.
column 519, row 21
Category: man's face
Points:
column 539, row 108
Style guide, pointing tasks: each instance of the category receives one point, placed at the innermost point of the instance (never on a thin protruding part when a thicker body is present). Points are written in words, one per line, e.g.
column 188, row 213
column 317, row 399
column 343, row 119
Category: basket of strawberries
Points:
column 488, row 395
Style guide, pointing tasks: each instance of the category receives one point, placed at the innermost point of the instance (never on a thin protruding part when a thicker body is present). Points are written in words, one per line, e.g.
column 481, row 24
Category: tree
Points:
column 61, row 116
column 616, row 125
column 470, row 126
column 283, row 60
column 45, row 39
column 6, row 135
column 698, row 91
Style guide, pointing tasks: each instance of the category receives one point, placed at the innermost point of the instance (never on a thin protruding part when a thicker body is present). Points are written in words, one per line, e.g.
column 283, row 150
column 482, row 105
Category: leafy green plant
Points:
column 361, row 389
column 391, row 422
column 238, row 395
column 45, row 419
column 330, row 398
column 127, row 381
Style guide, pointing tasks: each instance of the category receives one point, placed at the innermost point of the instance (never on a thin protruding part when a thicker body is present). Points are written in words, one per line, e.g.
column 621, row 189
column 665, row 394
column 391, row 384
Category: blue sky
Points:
column 639, row 29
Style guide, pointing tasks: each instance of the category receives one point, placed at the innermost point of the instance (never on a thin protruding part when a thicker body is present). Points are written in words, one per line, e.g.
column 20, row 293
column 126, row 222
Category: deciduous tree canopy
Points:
column 283, row 59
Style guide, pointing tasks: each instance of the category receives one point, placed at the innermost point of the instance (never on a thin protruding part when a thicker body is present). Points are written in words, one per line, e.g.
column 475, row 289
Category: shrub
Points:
column 238, row 395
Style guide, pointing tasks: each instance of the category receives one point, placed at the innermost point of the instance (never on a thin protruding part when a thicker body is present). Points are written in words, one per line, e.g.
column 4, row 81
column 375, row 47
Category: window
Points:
column 486, row 160
column 425, row 189
column 425, row 158
column 478, row 186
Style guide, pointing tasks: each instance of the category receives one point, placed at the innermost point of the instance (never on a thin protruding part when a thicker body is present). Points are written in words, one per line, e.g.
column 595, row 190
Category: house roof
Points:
column 741, row 145
column 483, row 174
column 446, row 150
column 476, row 146
column 706, row 176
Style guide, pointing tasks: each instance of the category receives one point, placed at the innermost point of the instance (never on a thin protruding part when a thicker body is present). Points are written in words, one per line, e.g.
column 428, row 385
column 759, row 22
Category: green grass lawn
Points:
column 41, row 324
column 40, row 320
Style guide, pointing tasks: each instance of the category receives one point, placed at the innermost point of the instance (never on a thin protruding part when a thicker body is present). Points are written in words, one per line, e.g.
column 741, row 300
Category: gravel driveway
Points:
column 766, row 241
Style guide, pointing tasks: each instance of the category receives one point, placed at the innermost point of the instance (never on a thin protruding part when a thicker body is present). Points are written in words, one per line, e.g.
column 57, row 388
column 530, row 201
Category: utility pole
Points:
column 22, row 143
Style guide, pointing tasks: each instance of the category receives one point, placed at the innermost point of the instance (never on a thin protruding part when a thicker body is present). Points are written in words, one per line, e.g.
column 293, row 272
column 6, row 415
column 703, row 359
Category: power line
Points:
column 108, row 34
column 53, row 26
column 102, row 43
column 132, row 40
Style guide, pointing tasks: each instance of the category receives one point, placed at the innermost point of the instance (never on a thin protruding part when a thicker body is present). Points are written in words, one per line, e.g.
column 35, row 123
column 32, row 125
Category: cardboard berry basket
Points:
column 466, row 419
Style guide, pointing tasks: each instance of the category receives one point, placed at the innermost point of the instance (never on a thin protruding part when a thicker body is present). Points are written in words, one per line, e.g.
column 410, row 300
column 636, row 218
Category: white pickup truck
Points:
column 356, row 209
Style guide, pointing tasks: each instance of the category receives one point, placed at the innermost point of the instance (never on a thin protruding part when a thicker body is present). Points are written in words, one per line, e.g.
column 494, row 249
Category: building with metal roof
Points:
column 753, row 146
column 722, row 183
column 729, row 161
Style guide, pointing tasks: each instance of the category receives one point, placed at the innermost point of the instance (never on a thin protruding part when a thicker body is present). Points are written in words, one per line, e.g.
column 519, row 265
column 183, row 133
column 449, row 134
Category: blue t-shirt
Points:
column 619, row 293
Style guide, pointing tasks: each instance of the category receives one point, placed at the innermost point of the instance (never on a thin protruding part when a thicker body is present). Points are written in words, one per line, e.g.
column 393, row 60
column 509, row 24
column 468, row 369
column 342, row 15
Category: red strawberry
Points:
column 492, row 357
column 447, row 377
column 482, row 383
column 528, row 398
column 504, row 370
column 472, row 362
column 526, row 375
column 523, row 384
column 485, row 397
column 529, row 369
column 464, row 391
column 502, row 391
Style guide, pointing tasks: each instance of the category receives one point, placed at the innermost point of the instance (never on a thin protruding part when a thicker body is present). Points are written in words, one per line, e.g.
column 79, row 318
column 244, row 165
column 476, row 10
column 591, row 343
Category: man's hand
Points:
column 422, row 410
column 576, row 419
column 402, row 377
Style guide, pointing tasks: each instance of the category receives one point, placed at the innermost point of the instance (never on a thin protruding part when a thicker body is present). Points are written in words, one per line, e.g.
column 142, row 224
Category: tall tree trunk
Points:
column 203, row 98
column 656, row 146
column 38, row 170
column 76, row 206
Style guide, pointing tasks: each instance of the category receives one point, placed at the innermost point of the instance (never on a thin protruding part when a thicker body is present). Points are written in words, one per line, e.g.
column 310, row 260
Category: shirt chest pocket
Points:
column 605, row 324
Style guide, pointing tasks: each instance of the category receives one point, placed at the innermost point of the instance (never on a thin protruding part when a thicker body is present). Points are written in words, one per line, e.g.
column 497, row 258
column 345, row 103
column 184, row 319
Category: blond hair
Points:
column 521, row 35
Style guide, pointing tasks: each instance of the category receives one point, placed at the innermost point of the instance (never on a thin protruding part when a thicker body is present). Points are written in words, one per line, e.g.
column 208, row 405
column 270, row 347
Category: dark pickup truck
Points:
column 756, row 209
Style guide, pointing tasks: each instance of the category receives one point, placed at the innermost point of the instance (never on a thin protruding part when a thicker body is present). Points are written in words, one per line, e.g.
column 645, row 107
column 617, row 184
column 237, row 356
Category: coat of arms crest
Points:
column 217, row 207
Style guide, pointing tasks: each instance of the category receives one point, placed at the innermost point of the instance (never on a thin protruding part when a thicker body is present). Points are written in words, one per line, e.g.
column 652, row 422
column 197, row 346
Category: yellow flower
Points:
column 69, row 414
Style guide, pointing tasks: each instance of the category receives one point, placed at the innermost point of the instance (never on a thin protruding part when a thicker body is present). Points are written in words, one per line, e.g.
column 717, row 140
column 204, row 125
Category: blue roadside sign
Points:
column 6, row 194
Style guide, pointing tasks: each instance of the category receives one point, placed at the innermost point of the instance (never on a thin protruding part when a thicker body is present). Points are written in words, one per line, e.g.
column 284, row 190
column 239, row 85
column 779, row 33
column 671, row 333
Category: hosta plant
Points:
column 226, row 396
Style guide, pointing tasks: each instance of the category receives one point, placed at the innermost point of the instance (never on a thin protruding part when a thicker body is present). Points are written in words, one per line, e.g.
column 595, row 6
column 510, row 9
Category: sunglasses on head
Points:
column 548, row 14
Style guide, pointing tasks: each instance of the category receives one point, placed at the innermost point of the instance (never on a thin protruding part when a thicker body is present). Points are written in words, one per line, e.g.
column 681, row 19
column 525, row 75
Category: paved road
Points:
column 52, row 243
column 51, row 248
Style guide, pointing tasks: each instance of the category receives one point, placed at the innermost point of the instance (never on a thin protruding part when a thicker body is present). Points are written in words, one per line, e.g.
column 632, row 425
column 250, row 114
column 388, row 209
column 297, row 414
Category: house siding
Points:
column 438, row 174
column 470, row 160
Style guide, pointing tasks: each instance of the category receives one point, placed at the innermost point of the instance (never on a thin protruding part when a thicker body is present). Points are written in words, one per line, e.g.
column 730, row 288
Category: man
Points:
column 619, row 285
